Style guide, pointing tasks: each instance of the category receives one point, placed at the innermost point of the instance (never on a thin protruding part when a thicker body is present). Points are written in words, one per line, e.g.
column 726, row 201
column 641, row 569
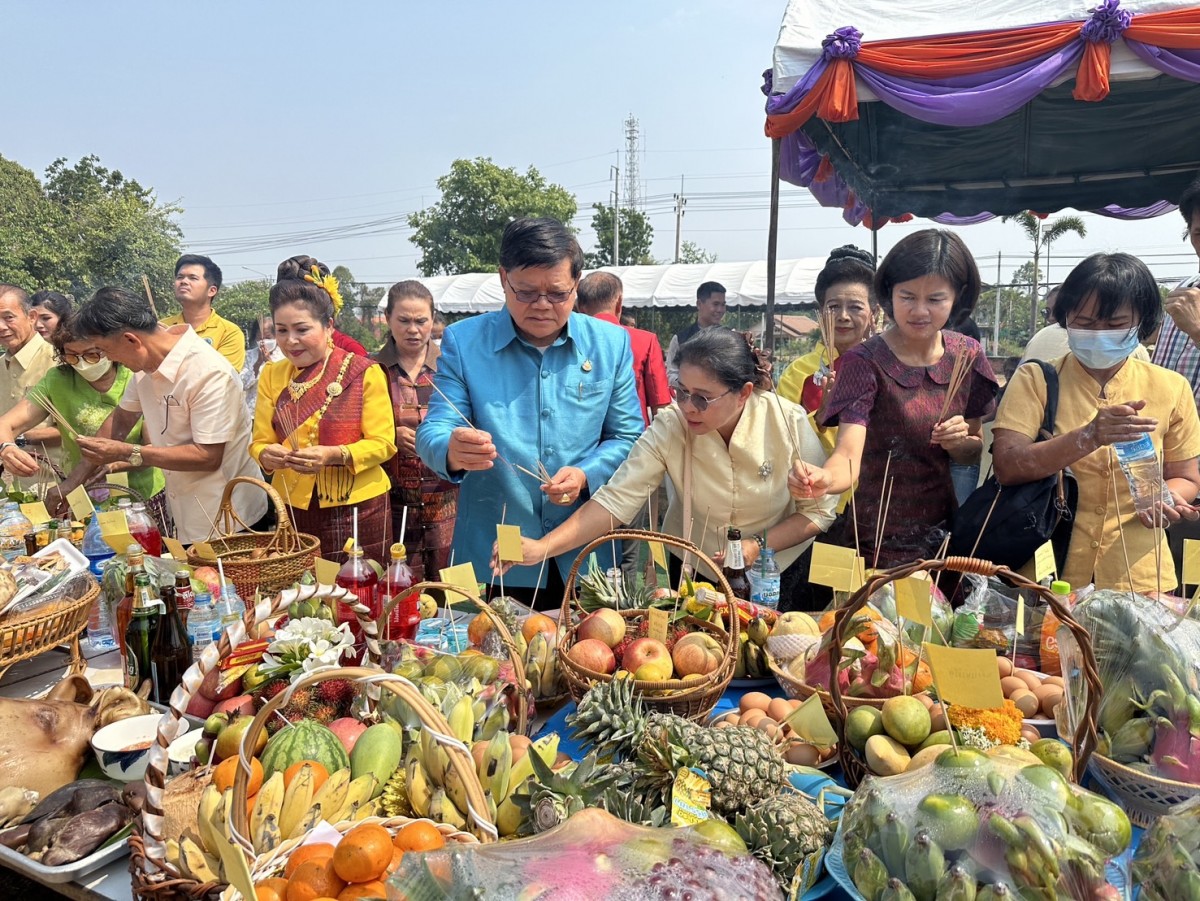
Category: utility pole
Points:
column 996, row 317
column 680, row 203
column 616, row 211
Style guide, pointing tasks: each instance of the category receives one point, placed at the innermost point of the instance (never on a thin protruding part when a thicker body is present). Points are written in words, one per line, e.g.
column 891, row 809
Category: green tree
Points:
column 244, row 302
column 691, row 252
column 635, row 238
column 29, row 247
column 1043, row 235
column 461, row 232
column 359, row 317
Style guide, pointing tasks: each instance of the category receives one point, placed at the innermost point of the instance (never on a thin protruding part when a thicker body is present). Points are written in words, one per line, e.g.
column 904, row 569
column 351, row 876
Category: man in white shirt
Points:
column 191, row 400
column 27, row 357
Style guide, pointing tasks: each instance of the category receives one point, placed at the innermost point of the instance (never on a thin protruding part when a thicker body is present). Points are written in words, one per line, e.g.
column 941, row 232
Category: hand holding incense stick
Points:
column 544, row 478
column 963, row 364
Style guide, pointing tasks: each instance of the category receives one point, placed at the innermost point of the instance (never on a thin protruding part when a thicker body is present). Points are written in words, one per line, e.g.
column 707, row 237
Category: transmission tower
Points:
column 633, row 186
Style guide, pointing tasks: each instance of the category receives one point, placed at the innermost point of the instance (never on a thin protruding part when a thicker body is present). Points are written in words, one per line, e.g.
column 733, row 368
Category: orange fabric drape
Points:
column 1178, row 29
column 1091, row 79
column 834, row 98
column 965, row 54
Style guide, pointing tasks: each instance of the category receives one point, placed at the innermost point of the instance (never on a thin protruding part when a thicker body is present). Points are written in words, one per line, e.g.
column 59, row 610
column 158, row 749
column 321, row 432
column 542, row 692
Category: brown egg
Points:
column 925, row 699
column 802, row 754
column 1030, row 734
column 1027, row 702
column 1049, row 698
column 751, row 718
column 1005, row 666
column 795, row 703
column 1055, row 680
column 723, row 724
column 1012, row 684
column 519, row 744
column 769, row 727
column 732, row 718
column 754, row 700
column 779, row 709
column 1032, row 680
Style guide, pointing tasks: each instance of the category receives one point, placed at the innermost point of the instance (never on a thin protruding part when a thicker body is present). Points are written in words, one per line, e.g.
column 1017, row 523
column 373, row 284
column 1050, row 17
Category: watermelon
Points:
column 305, row 740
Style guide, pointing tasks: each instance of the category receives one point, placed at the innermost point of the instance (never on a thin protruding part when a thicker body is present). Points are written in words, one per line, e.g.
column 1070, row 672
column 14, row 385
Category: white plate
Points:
column 69, row 872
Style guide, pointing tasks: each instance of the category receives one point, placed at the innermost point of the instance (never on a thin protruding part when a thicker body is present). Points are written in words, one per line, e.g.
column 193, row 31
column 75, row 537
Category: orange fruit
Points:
column 419, row 835
column 539, row 622
column 366, row 890
column 315, row 851
column 397, row 859
column 273, row 889
column 314, row 879
column 223, row 773
column 250, row 805
column 479, row 626
column 320, row 774
column 364, row 853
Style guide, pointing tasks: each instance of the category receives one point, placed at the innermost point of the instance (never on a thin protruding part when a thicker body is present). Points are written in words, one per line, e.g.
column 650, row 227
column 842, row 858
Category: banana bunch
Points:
column 503, row 780
column 541, row 666
column 197, row 855
column 435, row 790
column 752, row 654
column 480, row 711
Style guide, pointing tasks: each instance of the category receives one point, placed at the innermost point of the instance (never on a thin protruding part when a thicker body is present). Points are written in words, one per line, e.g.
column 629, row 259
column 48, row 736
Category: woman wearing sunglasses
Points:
column 85, row 388
column 736, row 438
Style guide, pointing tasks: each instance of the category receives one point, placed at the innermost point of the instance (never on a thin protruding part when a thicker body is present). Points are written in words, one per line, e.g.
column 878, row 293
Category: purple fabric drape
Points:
column 1181, row 64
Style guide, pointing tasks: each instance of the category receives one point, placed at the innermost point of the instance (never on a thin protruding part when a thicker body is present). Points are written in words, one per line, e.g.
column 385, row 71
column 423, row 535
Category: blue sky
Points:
column 275, row 119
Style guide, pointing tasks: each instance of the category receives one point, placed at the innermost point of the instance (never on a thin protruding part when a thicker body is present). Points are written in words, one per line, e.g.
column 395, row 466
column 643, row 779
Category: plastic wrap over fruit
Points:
column 972, row 826
column 1149, row 665
column 592, row 857
column 1166, row 866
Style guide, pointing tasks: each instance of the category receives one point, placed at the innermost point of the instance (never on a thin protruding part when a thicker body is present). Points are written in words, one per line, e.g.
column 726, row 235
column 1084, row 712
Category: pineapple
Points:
column 394, row 800
column 783, row 832
column 743, row 765
column 553, row 797
column 597, row 590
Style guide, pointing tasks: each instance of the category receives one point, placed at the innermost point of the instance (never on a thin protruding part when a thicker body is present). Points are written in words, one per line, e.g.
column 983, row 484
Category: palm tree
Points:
column 1043, row 235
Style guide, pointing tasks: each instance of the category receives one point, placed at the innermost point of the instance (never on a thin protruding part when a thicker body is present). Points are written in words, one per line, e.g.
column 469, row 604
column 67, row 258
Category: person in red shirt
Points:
column 600, row 295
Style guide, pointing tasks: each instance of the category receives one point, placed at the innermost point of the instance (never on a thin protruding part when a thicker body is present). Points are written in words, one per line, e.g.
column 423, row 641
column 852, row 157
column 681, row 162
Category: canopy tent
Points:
column 671, row 285
column 958, row 111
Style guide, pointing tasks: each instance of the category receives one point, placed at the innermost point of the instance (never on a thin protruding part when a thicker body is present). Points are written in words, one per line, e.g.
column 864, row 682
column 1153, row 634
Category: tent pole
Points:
column 772, row 248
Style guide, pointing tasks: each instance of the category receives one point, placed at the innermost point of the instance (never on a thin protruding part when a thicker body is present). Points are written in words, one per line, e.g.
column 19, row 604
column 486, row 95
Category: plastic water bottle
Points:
column 13, row 526
column 1139, row 462
column 203, row 625
column 229, row 606
column 765, row 580
column 99, row 625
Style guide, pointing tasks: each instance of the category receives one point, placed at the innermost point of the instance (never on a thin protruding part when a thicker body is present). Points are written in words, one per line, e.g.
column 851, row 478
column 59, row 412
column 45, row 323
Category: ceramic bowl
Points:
column 180, row 751
column 123, row 748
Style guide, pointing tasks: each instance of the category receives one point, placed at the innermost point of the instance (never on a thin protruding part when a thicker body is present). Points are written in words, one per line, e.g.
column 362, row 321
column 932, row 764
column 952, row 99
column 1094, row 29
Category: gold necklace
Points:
column 298, row 389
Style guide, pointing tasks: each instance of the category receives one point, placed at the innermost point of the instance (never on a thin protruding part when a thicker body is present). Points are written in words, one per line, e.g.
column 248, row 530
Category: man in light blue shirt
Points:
column 539, row 384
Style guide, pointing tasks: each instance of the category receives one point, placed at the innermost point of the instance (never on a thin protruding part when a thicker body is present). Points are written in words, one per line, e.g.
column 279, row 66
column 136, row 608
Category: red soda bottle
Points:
column 405, row 617
column 143, row 529
column 359, row 576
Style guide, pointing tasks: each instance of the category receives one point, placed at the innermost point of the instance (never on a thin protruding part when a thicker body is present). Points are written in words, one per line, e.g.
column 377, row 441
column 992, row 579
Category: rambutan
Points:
column 270, row 689
column 338, row 692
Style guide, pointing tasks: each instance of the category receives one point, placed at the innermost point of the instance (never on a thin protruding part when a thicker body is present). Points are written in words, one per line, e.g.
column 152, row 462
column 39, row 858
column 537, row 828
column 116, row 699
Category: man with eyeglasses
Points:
column 530, row 387
column 27, row 358
column 196, row 423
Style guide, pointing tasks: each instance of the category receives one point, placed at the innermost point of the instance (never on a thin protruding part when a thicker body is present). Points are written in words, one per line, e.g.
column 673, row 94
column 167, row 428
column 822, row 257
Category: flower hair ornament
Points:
column 329, row 284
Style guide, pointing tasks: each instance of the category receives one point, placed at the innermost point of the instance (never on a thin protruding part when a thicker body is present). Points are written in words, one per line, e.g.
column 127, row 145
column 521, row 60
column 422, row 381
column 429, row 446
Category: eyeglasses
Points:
column 170, row 402
column 91, row 356
column 555, row 297
column 699, row 401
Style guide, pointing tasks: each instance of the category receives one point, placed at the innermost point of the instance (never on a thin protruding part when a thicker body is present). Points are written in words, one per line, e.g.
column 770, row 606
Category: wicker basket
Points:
column 258, row 562
column 1085, row 737
column 524, row 721
column 26, row 635
column 694, row 700
column 153, row 877
column 1144, row 797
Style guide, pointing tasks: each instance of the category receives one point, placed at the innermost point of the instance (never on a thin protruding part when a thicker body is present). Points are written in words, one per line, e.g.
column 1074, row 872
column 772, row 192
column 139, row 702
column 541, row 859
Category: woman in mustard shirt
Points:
column 1106, row 396
column 323, row 424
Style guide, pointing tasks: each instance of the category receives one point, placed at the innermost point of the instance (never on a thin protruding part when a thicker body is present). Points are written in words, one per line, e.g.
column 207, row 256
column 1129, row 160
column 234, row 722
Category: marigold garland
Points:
column 1001, row 724
column 329, row 284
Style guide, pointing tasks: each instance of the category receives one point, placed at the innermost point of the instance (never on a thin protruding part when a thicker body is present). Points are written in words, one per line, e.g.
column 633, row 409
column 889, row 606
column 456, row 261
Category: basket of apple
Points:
column 679, row 663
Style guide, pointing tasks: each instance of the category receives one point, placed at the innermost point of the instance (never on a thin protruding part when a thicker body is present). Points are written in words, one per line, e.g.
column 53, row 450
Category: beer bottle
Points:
column 735, row 564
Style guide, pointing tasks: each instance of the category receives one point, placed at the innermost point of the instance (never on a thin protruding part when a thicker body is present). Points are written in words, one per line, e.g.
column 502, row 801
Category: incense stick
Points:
column 958, row 375
column 883, row 523
column 42, row 400
column 1113, row 464
column 825, row 322
column 545, row 480
column 884, row 495
column 854, row 507
column 986, row 520
column 538, row 584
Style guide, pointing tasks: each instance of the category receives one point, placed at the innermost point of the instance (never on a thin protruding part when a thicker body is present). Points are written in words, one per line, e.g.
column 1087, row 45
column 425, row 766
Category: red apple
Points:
column 697, row 653
column 594, row 655
column 643, row 651
column 210, row 577
column 236, row 705
column 347, row 729
column 604, row 625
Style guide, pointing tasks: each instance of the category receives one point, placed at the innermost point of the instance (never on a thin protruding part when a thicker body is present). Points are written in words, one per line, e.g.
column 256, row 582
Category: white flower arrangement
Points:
column 304, row 645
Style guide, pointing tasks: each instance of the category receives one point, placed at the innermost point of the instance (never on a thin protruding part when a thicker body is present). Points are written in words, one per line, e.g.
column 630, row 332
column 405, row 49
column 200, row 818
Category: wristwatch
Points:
column 135, row 458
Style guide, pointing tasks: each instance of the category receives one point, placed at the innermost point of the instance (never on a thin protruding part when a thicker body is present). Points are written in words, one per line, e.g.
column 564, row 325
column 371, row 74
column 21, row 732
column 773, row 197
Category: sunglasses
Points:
column 699, row 401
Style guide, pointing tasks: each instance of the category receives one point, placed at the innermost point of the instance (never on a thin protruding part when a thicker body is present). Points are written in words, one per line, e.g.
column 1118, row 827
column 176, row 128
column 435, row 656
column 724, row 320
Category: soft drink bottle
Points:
column 143, row 529
column 359, row 576
column 405, row 617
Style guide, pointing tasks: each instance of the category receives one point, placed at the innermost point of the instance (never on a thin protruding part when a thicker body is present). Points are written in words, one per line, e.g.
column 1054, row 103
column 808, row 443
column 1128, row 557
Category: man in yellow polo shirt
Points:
column 197, row 281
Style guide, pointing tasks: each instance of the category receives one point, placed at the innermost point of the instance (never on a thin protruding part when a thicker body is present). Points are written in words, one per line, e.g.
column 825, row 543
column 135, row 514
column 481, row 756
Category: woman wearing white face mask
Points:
column 1107, row 304
column 263, row 349
column 85, row 388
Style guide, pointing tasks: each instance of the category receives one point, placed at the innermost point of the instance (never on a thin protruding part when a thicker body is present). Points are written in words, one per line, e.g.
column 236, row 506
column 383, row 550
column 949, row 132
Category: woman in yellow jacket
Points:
column 323, row 423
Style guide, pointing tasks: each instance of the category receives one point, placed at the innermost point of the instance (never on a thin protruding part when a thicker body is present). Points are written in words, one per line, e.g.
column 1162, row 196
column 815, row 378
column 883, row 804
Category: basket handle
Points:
column 430, row 717
column 1085, row 738
column 510, row 644
column 172, row 724
column 286, row 540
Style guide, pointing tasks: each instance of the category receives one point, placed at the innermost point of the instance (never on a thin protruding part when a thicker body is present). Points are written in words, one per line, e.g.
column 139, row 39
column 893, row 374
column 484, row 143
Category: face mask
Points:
column 269, row 345
column 1102, row 349
column 92, row 372
column 437, row 341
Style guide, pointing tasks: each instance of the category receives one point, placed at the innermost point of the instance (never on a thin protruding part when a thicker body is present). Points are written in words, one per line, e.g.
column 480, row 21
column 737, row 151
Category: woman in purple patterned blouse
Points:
column 888, row 403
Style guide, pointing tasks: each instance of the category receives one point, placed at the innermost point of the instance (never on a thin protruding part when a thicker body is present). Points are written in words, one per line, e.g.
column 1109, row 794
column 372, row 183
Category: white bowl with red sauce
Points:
column 123, row 748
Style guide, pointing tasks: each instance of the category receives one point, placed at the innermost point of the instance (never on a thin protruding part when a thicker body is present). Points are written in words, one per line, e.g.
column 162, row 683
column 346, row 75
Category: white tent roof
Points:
column 672, row 285
column 808, row 22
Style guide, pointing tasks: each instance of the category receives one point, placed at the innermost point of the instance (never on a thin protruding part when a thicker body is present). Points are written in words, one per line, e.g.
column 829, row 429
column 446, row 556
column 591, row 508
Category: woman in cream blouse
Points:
column 740, row 442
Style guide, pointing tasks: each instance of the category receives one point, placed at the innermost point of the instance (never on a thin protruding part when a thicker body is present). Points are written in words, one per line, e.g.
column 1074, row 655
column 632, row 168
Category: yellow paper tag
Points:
column 326, row 570
column 811, row 723
column 81, row 505
column 913, row 601
column 690, row 798
column 658, row 553
column 1020, row 624
column 966, row 676
column 118, row 478
column 1043, row 562
column 1191, row 561
column 205, row 550
column 462, row 575
column 114, row 529
column 658, row 624
column 508, row 544
column 838, row 568
column 175, row 548
column 36, row 512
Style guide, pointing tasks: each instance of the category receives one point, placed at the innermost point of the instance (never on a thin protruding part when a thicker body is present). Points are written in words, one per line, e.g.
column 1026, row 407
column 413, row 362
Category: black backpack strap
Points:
column 1051, row 412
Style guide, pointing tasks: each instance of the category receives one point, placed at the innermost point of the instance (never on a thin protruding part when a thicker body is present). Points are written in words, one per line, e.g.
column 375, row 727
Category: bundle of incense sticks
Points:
column 963, row 364
column 287, row 418
column 544, row 476
column 42, row 400
column 825, row 321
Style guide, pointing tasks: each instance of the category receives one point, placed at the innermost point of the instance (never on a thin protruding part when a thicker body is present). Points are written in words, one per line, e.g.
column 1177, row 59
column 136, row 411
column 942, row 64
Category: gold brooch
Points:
column 333, row 389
